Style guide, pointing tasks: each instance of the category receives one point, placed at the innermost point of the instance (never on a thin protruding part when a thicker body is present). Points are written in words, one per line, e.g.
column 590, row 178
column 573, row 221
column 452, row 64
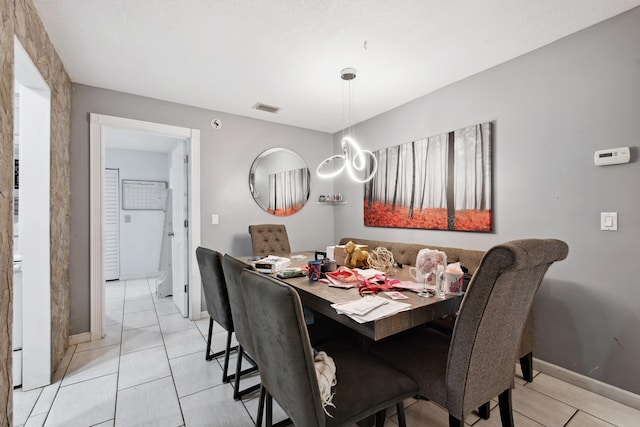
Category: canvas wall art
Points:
column 438, row 183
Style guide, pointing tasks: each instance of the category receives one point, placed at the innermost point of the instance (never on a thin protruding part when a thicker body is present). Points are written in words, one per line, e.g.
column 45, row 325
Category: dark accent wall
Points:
column 552, row 109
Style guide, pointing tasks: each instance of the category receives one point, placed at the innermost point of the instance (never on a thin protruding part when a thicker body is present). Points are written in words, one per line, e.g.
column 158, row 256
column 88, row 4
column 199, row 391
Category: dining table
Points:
column 319, row 297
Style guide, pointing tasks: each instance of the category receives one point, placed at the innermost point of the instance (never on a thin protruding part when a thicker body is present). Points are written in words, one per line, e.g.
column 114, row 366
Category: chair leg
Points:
column 261, row 403
column 454, row 422
column 208, row 355
column 225, row 369
column 526, row 364
column 380, row 416
column 506, row 412
column 402, row 422
column 484, row 411
column 237, row 393
column 269, row 409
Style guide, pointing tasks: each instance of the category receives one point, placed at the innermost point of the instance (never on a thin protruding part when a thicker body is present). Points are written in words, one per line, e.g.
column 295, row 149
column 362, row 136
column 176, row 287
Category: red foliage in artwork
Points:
column 286, row 211
column 431, row 219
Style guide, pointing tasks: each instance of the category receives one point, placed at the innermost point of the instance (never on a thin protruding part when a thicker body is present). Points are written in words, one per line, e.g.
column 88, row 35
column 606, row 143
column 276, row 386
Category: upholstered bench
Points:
column 406, row 254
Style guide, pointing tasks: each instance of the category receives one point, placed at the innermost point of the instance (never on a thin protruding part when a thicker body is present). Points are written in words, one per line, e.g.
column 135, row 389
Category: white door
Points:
column 180, row 237
column 111, row 225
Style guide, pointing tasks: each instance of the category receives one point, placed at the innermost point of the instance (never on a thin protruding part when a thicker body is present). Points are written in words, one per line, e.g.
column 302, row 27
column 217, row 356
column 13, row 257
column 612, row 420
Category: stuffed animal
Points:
column 356, row 257
column 359, row 258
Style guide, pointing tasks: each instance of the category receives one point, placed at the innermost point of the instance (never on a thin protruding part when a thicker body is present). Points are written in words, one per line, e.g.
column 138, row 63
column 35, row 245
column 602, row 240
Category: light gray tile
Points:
column 184, row 342
column 139, row 304
column 43, row 405
column 143, row 366
column 23, row 404
column 192, row 373
column 198, row 409
column 84, row 404
column 114, row 304
column 166, row 307
column 136, row 289
column 108, row 423
column 36, row 420
column 92, row 364
column 540, row 407
column 203, row 326
column 518, row 420
column 582, row 419
column 139, row 320
column 153, row 404
column 114, row 317
column 591, row 403
column 252, row 407
column 113, row 336
column 175, row 322
column 139, row 339
column 114, row 290
column 426, row 413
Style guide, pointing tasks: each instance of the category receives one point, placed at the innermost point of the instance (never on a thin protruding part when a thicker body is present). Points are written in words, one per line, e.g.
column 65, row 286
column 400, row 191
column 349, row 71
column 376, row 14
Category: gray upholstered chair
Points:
column 218, row 307
column 365, row 386
column 463, row 371
column 269, row 239
column 232, row 267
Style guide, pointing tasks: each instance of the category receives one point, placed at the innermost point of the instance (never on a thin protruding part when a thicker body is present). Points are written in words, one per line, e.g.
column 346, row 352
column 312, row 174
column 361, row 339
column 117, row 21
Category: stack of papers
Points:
column 370, row 308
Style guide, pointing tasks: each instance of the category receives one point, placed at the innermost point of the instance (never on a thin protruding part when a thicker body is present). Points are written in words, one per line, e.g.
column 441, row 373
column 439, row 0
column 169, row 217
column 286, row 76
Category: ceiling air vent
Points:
column 268, row 108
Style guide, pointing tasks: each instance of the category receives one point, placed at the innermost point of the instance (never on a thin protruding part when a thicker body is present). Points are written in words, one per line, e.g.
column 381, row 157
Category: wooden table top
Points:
column 319, row 296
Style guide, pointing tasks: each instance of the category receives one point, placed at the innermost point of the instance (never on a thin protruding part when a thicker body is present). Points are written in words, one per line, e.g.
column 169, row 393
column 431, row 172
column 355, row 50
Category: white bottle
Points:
column 440, row 291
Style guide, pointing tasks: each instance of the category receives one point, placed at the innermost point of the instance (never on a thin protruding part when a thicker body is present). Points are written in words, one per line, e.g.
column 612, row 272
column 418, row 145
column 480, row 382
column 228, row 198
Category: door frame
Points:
column 97, row 143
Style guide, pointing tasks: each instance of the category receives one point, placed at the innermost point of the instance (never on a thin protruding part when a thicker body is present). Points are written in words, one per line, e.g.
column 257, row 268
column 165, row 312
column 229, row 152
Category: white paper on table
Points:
column 388, row 309
column 413, row 286
column 362, row 306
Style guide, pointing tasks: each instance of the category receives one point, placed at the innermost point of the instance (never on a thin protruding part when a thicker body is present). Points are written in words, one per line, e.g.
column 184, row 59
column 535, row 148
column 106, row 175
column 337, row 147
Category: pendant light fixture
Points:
column 353, row 158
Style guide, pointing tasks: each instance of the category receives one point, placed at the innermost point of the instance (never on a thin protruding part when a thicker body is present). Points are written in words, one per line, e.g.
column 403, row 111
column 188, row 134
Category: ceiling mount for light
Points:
column 353, row 157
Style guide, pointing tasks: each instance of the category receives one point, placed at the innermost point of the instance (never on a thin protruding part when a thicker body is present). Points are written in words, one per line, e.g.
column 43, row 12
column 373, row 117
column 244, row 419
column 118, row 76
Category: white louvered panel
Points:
column 111, row 225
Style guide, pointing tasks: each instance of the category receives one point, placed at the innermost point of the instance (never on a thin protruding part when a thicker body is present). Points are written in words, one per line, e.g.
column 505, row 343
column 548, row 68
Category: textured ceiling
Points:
column 227, row 55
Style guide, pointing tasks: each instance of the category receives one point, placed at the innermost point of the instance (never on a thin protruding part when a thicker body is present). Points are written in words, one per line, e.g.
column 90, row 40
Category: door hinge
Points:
column 186, row 223
column 186, row 159
column 186, row 288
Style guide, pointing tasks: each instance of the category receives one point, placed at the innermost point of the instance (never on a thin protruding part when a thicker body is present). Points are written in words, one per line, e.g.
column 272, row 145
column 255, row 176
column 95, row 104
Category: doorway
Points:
column 32, row 308
column 100, row 127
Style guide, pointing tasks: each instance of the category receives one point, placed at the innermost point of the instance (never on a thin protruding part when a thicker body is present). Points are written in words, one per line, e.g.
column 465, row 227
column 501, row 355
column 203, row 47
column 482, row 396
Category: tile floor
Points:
column 150, row 371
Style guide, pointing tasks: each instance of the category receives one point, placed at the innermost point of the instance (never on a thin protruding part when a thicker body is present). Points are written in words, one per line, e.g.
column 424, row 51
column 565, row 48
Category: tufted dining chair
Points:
column 463, row 371
column 365, row 386
column 269, row 239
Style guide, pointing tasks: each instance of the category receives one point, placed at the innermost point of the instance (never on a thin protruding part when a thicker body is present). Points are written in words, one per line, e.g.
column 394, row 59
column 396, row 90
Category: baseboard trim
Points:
column 79, row 338
column 607, row 390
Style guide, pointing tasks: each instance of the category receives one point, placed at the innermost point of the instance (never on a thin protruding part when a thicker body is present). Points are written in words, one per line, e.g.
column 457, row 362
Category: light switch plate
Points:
column 214, row 219
column 609, row 221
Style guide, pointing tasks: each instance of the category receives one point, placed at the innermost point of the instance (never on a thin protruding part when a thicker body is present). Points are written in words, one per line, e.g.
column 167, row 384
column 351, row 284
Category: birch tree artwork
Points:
column 439, row 183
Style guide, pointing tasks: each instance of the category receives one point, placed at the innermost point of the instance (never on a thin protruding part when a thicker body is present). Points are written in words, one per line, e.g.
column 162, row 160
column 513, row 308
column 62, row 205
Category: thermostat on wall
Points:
column 612, row 156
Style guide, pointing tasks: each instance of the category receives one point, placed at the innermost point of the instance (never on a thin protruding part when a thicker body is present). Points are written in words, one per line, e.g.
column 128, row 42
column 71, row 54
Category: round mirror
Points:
column 280, row 181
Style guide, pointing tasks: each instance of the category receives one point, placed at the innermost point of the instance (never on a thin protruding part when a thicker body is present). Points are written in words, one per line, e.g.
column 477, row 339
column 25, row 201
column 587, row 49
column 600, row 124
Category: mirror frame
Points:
column 284, row 177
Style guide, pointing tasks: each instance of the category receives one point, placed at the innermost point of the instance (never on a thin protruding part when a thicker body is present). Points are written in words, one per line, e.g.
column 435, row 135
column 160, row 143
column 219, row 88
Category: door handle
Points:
column 170, row 234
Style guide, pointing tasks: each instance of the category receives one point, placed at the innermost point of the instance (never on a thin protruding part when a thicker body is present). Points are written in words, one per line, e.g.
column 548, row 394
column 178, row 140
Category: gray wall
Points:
column 552, row 109
column 226, row 157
